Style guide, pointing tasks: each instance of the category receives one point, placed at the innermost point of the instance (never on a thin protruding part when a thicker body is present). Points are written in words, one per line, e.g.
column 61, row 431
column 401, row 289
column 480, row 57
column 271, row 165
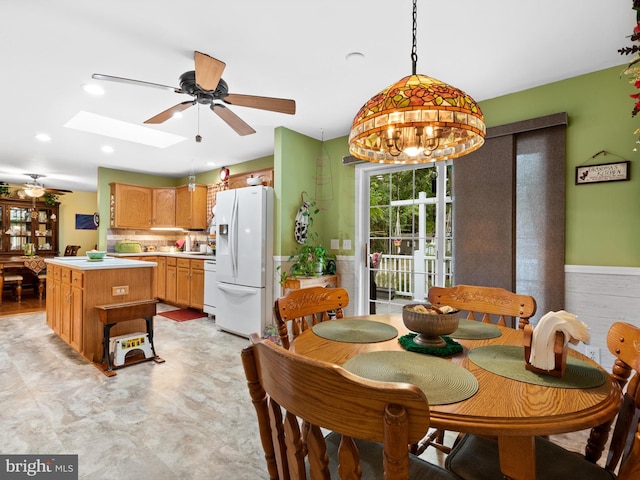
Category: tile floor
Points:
column 188, row 418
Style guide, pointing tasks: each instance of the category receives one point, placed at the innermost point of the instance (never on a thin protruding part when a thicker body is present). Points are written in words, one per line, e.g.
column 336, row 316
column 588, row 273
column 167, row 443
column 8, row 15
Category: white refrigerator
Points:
column 244, row 259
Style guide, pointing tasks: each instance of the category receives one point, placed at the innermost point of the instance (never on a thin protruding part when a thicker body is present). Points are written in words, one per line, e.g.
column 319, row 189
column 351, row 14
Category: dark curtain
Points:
column 509, row 211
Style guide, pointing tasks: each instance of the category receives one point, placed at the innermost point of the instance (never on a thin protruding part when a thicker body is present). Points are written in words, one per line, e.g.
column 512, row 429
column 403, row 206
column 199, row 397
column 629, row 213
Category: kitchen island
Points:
column 75, row 286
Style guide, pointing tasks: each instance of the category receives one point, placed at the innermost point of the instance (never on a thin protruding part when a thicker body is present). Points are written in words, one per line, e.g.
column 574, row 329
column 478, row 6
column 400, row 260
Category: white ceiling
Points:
column 279, row 48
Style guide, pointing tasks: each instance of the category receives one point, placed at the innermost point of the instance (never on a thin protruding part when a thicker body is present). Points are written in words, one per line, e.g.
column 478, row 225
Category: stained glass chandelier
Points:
column 416, row 120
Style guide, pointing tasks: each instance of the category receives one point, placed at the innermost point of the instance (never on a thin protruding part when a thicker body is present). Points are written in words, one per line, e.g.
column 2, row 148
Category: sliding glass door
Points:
column 404, row 228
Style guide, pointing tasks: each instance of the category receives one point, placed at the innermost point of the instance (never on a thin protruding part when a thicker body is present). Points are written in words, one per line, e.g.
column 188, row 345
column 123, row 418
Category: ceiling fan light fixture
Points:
column 34, row 190
column 417, row 120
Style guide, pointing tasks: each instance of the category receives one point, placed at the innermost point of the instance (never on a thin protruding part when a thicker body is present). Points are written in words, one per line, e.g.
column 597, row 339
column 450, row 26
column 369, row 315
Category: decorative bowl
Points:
column 429, row 326
column 254, row 181
column 95, row 255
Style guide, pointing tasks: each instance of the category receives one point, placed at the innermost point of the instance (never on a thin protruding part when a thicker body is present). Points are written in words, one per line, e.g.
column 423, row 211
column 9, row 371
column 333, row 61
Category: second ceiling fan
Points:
column 206, row 86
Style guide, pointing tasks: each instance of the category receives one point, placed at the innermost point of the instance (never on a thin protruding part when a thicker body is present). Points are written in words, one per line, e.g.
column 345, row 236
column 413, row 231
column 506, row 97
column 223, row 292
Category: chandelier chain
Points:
column 414, row 49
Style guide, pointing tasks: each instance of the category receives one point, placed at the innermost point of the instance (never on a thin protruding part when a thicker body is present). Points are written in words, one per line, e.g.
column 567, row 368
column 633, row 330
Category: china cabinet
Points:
column 23, row 223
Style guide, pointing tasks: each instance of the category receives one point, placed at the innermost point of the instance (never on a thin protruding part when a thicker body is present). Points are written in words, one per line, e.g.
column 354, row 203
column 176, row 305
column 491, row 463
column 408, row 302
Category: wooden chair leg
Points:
column 18, row 290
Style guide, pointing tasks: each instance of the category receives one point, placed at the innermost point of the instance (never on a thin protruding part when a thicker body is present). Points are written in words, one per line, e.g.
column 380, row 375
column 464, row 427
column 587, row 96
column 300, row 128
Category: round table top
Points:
column 501, row 406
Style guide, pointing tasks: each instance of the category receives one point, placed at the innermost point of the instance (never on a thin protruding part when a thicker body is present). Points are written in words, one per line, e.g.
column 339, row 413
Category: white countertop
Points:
column 194, row 255
column 82, row 263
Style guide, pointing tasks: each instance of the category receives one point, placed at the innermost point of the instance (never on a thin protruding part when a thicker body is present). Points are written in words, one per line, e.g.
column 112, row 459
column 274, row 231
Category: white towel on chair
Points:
column 544, row 337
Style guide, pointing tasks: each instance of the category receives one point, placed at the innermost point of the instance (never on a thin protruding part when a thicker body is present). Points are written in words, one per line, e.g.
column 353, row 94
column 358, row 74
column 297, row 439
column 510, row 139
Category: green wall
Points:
column 602, row 226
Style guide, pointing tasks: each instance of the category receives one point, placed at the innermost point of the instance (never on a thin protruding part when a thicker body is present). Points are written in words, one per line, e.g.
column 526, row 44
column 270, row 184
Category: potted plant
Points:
column 4, row 189
column 311, row 258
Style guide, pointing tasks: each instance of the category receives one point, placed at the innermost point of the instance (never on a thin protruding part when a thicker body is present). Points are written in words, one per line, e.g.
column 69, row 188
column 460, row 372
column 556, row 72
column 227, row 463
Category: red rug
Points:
column 183, row 314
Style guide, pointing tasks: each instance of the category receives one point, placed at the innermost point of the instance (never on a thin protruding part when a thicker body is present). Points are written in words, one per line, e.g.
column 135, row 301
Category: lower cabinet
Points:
column 160, row 284
column 171, row 280
column 190, row 283
column 65, row 297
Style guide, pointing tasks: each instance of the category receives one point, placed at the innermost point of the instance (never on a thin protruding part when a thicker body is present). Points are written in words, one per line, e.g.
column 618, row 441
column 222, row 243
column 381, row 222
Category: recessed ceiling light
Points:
column 107, row 149
column 211, row 164
column 177, row 115
column 93, row 89
column 43, row 137
column 110, row 127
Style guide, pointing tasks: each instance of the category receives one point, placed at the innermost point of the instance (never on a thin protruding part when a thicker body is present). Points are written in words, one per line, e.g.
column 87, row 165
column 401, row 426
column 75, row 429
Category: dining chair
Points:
column 483, row 302
column 371, row 423
column 305, row 307
column 477, row 457
column 71, row 250
column 15, row 281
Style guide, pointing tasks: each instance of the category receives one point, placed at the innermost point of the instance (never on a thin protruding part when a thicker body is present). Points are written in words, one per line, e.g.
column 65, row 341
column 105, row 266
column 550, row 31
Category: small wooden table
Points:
column 295, row 283
column 115, row 313
column 513, row 411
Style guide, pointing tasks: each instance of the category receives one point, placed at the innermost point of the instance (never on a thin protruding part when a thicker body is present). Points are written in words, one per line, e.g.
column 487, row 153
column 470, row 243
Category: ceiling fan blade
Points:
column 281, row 105
column 231, row 119
column 110, row 78
column 208, row 70
column 166, row 115
column 57, row 191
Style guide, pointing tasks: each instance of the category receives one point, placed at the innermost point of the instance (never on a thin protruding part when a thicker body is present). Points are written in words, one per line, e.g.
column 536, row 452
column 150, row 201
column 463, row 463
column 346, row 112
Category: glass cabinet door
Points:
column 19, row 228
column 44, row 230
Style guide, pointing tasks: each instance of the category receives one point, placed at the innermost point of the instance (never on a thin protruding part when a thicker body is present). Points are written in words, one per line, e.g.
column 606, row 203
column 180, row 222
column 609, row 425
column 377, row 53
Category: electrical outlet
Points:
column 121, row 290
column 593, row 353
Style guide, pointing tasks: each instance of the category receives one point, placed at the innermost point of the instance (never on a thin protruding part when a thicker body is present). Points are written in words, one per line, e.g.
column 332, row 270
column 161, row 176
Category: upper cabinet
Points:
column 163, row 207
column 130, row 206
column 23, row 221
column 137, row 206
column 191, row 207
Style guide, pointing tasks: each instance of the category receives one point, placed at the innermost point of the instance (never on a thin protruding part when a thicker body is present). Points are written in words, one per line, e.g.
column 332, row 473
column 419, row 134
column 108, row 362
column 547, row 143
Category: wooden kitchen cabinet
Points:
column 171, row 279
column 163, row 207
column 65, row 290
column 160, row 290
column 130, row 206
column 191, row 207
column 190, row 283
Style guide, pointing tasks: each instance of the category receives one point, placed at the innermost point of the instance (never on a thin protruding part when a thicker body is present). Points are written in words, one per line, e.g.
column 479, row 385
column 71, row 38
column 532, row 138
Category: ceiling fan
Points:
column 207, row 87
column 35, row 189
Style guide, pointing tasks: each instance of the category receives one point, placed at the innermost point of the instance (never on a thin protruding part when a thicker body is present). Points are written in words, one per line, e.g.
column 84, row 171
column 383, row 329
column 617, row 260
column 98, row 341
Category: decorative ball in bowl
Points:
column 95, row 255
column 430, row 323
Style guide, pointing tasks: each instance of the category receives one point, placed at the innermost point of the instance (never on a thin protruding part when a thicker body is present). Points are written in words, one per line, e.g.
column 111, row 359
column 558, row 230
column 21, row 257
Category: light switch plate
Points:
column 346, row 244
column 335, row 244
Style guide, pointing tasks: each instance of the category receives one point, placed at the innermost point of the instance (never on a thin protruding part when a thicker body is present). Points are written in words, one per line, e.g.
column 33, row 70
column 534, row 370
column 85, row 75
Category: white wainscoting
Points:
column 601, row 296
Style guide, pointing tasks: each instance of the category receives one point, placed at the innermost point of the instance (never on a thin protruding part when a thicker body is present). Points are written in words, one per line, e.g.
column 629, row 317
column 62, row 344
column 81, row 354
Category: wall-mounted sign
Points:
column 606, row 172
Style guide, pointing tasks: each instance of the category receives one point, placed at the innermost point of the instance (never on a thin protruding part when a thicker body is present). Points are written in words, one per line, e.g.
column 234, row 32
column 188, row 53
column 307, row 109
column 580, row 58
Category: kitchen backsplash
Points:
column 160, row 239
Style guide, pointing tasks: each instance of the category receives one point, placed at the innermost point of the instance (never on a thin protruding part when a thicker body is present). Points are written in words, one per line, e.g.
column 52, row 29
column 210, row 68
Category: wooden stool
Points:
column 16, row 280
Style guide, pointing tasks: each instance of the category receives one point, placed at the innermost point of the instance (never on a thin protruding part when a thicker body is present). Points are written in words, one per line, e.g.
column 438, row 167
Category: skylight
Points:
column 110, row 127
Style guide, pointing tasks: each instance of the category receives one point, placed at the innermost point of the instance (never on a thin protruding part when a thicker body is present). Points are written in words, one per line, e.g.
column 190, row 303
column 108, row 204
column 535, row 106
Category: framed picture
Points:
column 605, row 172
column 85, row 222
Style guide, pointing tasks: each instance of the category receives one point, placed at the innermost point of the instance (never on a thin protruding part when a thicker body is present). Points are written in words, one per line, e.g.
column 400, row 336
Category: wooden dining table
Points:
column 513, row 411
column 34, row 264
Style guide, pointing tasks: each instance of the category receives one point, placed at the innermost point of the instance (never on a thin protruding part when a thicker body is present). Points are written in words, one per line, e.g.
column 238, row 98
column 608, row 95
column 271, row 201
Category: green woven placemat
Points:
column 508, row 361
column 451, row 348
column 474, row 330
column 442, row 381
column 355, row 331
